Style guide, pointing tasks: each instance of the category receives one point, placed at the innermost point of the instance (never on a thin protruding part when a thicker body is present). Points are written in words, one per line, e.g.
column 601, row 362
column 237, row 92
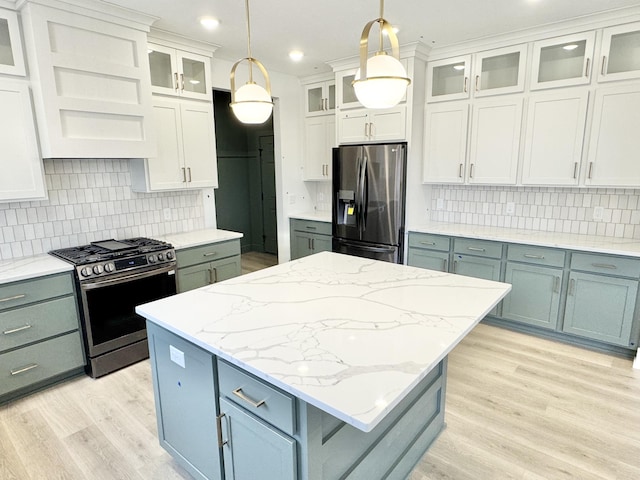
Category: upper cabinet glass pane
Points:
column 448, row 79
column 562, row 61
column 314, row 99
column 161, row 71
column 194, row 76
column 500, row 71
column 348, row 92
column 6, row 53
column 624, row 53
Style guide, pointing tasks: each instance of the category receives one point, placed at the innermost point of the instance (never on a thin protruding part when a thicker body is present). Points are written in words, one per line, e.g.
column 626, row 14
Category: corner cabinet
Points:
column 309, row 237
column 186, row 148
column 22, row 168
column 90, row 76
column 11, row 56
column 206, row 264
column 41, row 342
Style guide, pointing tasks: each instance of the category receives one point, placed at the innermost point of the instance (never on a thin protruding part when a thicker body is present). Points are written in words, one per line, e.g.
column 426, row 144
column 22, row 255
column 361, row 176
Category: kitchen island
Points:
column 327, row 367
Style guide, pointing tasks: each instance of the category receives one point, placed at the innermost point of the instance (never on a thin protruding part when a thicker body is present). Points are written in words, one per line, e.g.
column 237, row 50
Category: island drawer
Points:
column 36, row 322
column 261, row 399
column 30, row 291
column 618, row 266
column 480, row 248
column 537, row 255
column 321, row 228
column 427, row 240
column 207, row 253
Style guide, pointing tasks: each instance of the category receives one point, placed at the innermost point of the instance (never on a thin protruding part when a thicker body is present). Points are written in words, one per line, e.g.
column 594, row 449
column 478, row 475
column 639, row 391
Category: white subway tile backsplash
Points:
column 91, row 200
column 552, row 209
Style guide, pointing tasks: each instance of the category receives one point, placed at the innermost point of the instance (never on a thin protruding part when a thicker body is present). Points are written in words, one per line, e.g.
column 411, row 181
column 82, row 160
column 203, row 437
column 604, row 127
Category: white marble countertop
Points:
column 569, row 241
column 314, row 216
column 198, row 237
column 31, row 267
column 348, row 335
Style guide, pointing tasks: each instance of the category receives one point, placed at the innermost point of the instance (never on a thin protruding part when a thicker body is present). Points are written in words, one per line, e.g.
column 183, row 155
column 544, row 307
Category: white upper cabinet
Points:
column 554, row 135
column 22, row 175
column 319, row 140
column 90, row 77
column 176, row 72
column 320, row 98
column 562, row 61
column 11, row 57
column 448, row 79
column 620, row 53
column 500, row 71
column 614, row 140
column 345, row 93
column 362, row 125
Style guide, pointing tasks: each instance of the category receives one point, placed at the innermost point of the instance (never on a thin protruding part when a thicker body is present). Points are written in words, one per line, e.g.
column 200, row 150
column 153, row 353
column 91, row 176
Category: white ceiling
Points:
column 330, row 29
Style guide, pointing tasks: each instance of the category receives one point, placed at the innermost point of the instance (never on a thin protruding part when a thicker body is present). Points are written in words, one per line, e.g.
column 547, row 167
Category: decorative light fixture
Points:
column 381, row 81
column 251, row 103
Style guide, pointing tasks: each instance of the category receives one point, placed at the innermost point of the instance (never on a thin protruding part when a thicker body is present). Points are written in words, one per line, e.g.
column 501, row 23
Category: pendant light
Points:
column 251, row 103
column 381, row 81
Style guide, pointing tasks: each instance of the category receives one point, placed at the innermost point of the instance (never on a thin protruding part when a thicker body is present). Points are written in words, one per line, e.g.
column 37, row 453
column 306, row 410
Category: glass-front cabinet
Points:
column 174, row 72
column 620, row 53
column 345, row 92
column 320, row 98
column 448, row 79
column 500, row 71
column 562, row 61
column 11, row 57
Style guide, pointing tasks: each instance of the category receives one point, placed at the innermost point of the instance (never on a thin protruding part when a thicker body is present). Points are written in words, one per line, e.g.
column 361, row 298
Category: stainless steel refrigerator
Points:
column 369, row 184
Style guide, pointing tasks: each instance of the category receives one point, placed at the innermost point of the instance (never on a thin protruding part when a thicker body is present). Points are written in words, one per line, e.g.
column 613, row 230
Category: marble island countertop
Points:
column 348, row 335
column 569, row 241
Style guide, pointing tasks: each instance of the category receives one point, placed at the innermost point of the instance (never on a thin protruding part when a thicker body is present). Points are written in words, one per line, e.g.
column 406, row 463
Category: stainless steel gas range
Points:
column 113, row 276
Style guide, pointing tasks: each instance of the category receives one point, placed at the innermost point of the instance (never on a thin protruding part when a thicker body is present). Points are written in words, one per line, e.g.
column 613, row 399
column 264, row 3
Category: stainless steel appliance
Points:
column 369, row 187
column 113, row 277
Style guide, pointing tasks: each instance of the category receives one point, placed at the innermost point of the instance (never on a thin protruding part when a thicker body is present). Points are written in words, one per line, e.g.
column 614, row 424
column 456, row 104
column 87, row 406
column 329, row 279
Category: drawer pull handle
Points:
column 15, row 297
column 221, row 442
column 16, row 330
column 308, row 227
column 604, row 265
column 238, row 393
column 427, row 243
column 531, row 255
column 210, row 254
column 476, row 249
column 24, row 369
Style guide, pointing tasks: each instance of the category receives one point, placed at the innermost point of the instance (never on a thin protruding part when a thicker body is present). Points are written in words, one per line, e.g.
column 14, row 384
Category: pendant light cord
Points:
column 246, row 3
column 380, row 22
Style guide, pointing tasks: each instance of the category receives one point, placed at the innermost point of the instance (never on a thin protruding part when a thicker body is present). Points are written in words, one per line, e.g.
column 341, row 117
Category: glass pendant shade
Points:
column 252, row 104
column 385, row 85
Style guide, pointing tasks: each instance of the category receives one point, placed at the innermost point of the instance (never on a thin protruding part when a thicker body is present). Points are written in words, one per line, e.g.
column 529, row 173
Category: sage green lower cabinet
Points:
column 207, row 264
column 478, row 267
column 309, row 237
column 428, row 251
column 185, row 396
column 601, row 308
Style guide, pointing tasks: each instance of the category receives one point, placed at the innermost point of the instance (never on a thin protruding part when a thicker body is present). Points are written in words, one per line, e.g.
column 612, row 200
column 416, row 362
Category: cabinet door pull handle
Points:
column 477, row 80
column 455, row 266
column 572, row 286
column 182, row 82
column 15, row 297
column 184, row 175
column 24, row 369
column 556, row 284
column 210, row 272
column 238, row 393
column 427, row 243
column 471, row 171
column 313, row 244
column 605, row 265
column 590, row 170
column 175, row 78
column 221, row 442
column 16, row 330
column 460, row 171
column 209, row 254
column 444, row 264
column 575, row 169
column 586, row 70
column 465, row 84
column 189, row 171
column 531, row 255
column 476, row 249
column 604, row 65
column 215, row 274
column 309, row 243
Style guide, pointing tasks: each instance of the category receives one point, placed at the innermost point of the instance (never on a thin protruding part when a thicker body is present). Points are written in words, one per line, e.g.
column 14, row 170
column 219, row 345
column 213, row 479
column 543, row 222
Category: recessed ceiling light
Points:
column 209, row 22
column 296, row 55
column 571, row 46
column 459, row 66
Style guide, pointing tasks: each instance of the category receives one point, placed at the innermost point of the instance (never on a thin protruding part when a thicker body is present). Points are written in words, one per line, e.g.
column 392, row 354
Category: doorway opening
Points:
column 246, row 196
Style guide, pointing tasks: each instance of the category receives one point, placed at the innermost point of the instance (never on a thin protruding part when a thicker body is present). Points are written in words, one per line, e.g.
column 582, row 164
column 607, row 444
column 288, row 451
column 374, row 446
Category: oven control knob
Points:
column 152, row 259
column 169, row 255
column 98, row 269
column 161, row 257
column 109, row 267
column 86, row 271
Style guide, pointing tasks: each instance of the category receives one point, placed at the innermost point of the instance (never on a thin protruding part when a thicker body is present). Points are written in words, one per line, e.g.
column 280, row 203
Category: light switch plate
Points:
column 598, row 212
column 166, row 214
column 511, row 207
column 440, row 204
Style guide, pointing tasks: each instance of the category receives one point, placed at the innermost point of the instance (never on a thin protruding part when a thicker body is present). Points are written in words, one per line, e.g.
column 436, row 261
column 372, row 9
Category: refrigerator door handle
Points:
column 358, row 193
column 362, row 186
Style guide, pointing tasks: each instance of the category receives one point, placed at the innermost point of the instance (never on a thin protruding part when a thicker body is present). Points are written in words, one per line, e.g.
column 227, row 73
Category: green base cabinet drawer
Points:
column 617, row 266
column 536, row 255
column 30, row 291
column 309, row 226
column 28, row 365
column 480, row 248
column 207, row 253
column 429, row 241
column 36, row 322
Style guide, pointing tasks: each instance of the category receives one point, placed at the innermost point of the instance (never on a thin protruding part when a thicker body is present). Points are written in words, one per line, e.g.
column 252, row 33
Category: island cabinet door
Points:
column 254, row 450
column 185, row 395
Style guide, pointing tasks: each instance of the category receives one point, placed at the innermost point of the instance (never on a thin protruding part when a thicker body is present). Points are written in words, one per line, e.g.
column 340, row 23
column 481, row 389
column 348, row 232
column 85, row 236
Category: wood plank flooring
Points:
column 518, row 407
column 252, row 261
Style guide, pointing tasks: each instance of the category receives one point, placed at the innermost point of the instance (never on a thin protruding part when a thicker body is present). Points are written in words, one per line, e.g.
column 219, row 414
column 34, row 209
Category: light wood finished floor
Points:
column 518, row 407
column 252, row 261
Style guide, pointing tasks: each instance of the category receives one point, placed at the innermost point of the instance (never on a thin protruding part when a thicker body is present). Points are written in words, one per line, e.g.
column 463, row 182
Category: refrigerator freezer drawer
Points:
column 386, row 253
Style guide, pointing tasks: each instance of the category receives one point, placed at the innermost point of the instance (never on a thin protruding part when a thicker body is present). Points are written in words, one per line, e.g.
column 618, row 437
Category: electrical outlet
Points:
column 598, row 212
column 166, row 214
column 440, row 204
column 511, row 207
column 292, row 199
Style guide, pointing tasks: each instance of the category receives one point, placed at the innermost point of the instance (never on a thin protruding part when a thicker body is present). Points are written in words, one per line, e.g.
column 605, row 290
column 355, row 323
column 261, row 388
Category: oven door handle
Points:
column 127, row 278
